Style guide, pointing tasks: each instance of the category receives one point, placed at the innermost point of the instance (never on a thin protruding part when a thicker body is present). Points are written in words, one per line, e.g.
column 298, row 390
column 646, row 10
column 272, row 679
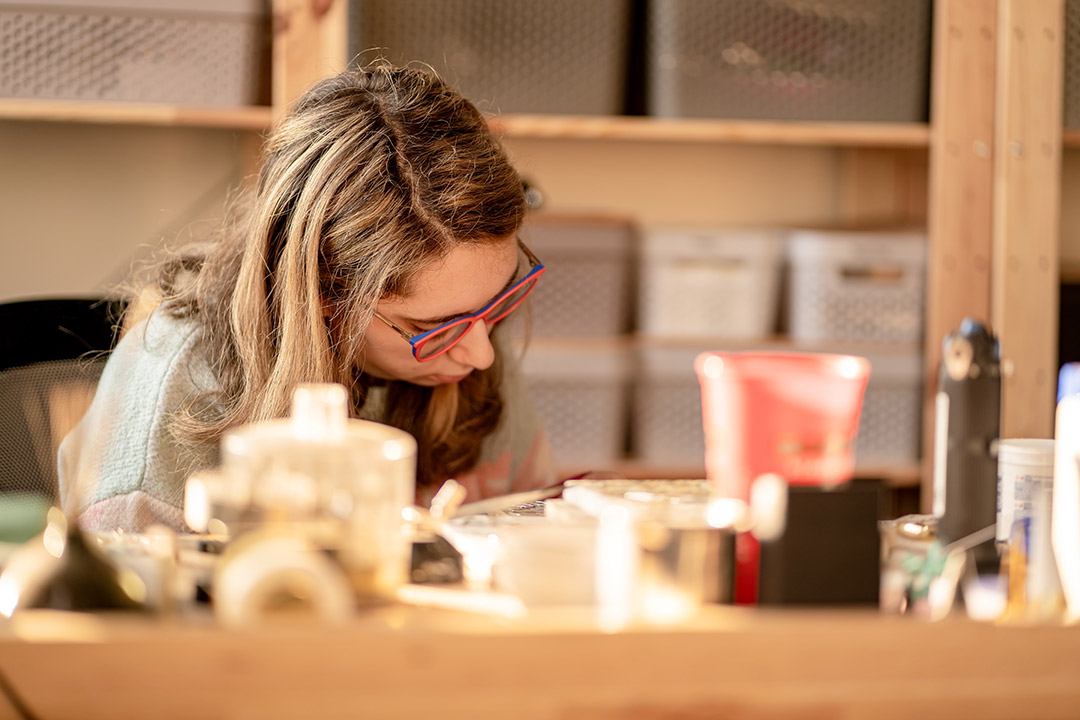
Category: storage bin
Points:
column 586, row 290
column 666, row 419
column 192, row 52
column 580, row 394
column 856, row 285
column 709, row 282
column 850, row 60
column 890, row 424
column 509, row 56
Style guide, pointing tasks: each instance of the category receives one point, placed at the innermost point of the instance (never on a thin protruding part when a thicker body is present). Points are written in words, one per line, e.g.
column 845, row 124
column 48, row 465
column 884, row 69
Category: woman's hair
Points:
column 375, row 174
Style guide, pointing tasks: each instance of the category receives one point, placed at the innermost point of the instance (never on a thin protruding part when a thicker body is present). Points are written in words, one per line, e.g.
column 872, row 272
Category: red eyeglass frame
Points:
column 418, row 340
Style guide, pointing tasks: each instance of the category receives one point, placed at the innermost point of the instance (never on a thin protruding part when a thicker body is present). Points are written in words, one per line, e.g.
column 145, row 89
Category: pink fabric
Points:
column 134, row 512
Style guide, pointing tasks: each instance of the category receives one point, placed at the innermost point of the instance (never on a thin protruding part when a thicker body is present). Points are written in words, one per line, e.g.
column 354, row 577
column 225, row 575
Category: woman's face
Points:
column 461, row 283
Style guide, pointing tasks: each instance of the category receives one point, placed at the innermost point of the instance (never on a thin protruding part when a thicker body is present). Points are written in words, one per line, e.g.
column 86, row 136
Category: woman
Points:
column 378, row 250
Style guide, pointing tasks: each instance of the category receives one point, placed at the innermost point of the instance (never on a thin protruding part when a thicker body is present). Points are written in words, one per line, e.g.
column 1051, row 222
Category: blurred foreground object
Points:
column 61, row 570
column 967, row 422
column 1065, row 522
column 794, row 415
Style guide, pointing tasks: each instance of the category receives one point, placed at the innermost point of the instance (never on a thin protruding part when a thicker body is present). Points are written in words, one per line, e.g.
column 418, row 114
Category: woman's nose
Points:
column 474, row 349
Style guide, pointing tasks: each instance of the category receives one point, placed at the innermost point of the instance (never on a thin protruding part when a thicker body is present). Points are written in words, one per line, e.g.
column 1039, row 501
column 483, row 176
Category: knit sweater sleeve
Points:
column 122, row 466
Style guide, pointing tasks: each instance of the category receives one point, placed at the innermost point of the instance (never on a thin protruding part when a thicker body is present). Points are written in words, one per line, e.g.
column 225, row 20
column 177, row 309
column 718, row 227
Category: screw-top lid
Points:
column 1069, row 380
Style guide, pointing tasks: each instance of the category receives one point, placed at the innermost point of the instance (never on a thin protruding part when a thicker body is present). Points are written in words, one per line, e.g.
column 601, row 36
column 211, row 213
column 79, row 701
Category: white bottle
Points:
column 1065, row 523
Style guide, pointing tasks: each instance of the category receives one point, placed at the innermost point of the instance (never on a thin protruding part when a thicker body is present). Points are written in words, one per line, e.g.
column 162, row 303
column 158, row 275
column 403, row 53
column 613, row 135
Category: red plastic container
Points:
column 791, row 414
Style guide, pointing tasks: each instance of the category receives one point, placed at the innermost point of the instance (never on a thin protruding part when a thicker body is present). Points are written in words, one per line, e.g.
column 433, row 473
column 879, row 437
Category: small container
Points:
column 1025, row 468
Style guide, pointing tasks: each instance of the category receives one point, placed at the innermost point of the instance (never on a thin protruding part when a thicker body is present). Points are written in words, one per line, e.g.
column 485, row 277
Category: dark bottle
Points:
column 967, row 424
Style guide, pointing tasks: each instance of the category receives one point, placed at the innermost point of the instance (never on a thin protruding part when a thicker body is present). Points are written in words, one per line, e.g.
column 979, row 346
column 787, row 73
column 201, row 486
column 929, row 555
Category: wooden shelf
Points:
column 775, row 343
column 895, row 476
column 1070, row 137
column 1070, row 272
column 79, row 111
column 778, row 343
column 694, row 130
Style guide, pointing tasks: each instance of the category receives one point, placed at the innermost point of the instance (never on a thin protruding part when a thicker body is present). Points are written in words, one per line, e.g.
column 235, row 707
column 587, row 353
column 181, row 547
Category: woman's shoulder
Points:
column 124, row 440
column 159, row 365
column 161, row 339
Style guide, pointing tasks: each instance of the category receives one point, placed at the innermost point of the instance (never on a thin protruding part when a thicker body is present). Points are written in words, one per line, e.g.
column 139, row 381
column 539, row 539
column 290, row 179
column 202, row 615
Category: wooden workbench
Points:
column 404, row 662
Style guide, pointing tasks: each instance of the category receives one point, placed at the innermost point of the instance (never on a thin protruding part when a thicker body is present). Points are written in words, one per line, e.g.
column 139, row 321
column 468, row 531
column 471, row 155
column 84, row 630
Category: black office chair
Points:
column 51, row 355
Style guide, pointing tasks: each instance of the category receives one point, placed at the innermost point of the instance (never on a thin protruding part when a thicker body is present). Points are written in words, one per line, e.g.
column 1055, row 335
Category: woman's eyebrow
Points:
column 451, row 318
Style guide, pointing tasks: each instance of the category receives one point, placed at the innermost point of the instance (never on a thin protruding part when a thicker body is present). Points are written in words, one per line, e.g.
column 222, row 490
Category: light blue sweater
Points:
column 125, row 469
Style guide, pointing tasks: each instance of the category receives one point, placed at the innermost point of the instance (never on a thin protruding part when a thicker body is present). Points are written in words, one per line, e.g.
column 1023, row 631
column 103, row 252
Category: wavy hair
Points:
column 373, row 175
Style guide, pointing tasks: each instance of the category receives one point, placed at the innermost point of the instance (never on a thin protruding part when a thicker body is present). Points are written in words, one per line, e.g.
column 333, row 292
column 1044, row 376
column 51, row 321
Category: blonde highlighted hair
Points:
column 375, row 174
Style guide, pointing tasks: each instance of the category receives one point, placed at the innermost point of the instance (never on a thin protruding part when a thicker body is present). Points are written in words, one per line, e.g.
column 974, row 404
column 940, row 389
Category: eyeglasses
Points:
column 432, row 343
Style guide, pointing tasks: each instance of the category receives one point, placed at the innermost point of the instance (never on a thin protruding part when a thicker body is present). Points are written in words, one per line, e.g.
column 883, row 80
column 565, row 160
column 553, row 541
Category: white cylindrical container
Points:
column 1025, row 466
column 346, row 481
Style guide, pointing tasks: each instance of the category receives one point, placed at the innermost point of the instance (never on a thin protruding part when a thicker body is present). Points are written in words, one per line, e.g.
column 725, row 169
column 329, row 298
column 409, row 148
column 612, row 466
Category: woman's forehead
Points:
column 464, row 280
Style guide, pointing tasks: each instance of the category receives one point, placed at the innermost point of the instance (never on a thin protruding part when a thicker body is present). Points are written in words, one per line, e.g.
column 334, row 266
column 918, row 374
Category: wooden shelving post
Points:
column 310, row 43
column 1027, row 192
column 960, row 206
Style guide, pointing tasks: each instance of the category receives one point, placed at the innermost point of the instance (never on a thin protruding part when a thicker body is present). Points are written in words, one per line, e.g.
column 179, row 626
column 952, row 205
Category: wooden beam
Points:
column 960, row 212
column 884, row 186
column 1027, row 191
column 310, row 43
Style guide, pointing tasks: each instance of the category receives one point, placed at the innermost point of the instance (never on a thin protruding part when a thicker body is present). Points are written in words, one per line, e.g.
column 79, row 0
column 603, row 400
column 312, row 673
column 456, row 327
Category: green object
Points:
column 22, row 516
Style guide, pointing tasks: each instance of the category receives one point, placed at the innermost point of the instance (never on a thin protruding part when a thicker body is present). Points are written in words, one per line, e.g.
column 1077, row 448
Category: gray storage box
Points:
column 508, row 56
column 856, row 285
column 190, row 52
column 839, row 60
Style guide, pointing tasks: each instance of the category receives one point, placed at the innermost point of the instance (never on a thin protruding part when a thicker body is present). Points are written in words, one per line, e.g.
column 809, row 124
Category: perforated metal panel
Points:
column 513, row 56
column 153, row 54
column 854, row 60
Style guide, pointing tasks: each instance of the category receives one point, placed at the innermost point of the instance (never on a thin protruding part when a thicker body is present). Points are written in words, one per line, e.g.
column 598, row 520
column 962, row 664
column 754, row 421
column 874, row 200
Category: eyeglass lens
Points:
column 497, row 312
